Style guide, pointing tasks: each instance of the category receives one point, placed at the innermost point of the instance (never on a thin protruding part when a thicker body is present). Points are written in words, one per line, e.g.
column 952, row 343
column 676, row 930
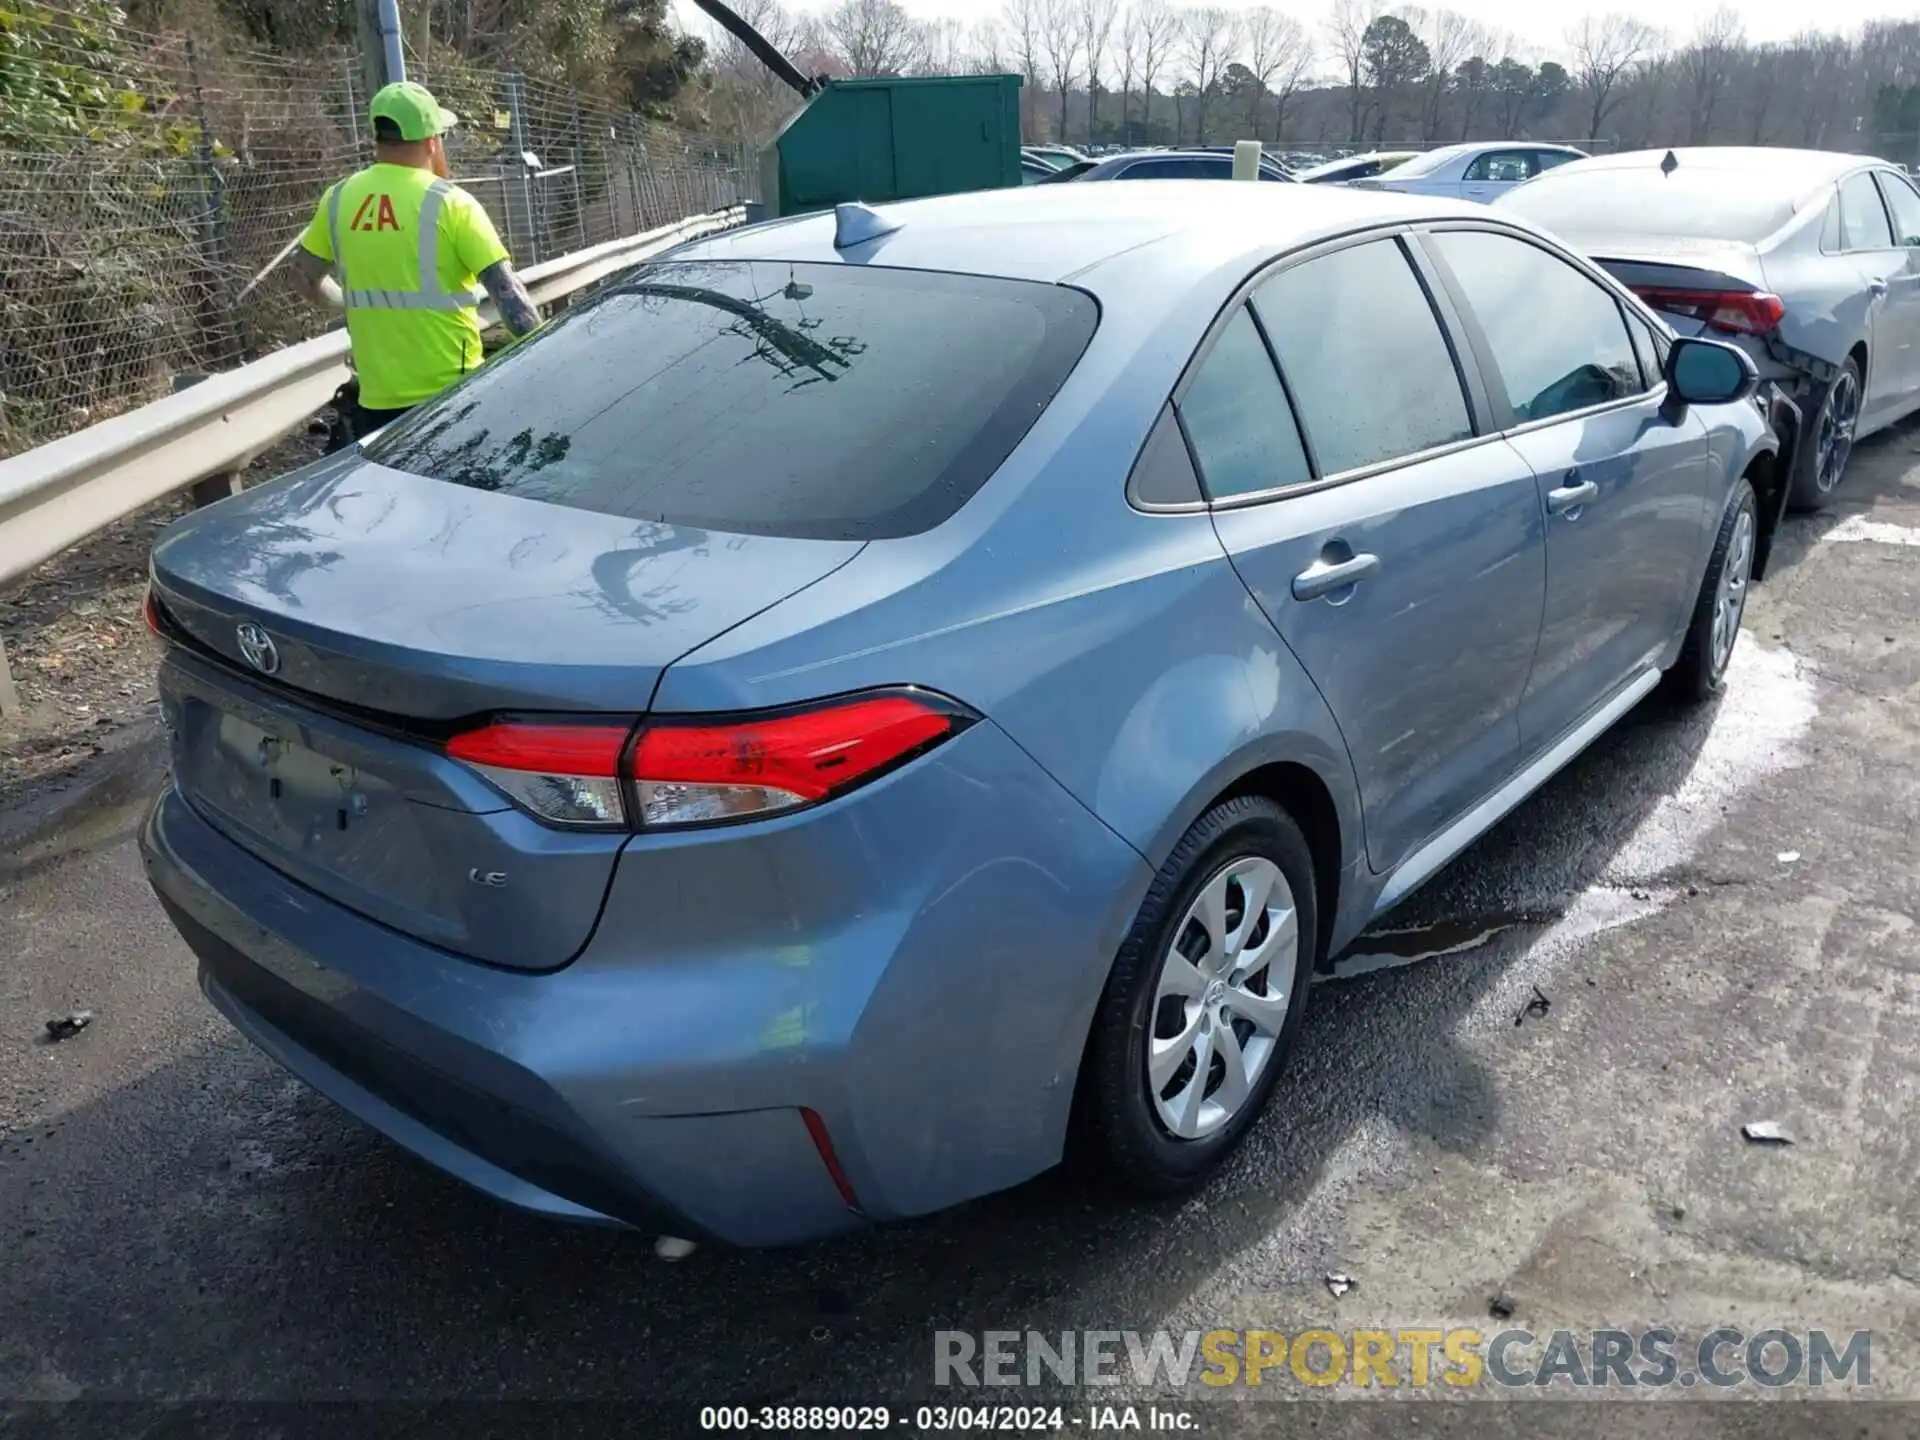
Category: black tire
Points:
column 1121, row 1127
column 1701, row 671
column 1816, row 472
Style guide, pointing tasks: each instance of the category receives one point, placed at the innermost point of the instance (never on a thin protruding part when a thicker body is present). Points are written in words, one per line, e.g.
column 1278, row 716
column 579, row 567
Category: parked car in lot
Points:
column 1054, row 157
column 1178, row 165
column 1810, row 261
column 864, row 695
column 1355, row 167
column 1480, row 170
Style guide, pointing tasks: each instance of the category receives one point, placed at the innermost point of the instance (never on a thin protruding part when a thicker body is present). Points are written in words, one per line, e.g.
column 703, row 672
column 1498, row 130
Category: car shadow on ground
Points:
column 214, row 1219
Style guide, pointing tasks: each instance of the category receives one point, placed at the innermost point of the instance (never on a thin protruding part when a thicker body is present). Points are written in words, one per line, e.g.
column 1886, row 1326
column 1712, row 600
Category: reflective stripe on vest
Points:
column 431, row 295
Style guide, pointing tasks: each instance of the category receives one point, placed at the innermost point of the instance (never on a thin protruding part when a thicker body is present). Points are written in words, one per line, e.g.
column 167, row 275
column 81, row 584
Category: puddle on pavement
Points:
column 1389, row 949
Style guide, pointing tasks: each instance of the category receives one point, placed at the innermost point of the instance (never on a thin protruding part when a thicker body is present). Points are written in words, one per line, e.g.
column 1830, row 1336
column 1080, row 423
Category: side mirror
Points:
column 1706, row 372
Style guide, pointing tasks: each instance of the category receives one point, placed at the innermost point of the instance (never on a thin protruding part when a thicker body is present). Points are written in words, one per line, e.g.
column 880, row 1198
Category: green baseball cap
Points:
column 413, row 109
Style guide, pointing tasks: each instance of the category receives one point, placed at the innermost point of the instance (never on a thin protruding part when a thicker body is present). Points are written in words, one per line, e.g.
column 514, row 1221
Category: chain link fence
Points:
column 152, row 187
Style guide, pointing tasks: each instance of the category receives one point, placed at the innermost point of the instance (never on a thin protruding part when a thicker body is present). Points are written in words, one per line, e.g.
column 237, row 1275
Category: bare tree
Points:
column 1605, row 48
column 875, row 37
column 1450, row 38
column 985, row 48
column 1096, row 28
column 1277, row 54
column 1347, row 28
column 1022, row 18
column 1210, row 36
column 1706, row 68
column 946, row 46
column 1060, row 43
column 747, row 98
column 1129, row 66
column 1759, row 83
column 1158, row 26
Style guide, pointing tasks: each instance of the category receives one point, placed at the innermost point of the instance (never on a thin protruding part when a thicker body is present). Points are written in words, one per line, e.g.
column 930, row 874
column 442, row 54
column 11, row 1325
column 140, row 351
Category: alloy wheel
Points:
column 1838, row 418
column 1222, row 997
column 1731, row 601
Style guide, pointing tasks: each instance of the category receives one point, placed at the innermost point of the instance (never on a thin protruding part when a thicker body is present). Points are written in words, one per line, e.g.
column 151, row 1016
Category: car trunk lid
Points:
column 403, row 595
column 394, row 611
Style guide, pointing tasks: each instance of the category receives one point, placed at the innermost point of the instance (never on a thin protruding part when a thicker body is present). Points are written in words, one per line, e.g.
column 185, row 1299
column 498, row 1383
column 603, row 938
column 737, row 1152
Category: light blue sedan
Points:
column 868, row 695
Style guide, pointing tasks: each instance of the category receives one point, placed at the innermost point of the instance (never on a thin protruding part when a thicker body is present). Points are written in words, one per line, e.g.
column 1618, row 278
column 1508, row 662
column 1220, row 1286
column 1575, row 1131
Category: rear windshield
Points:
column 1706, row 205
column 813, row 401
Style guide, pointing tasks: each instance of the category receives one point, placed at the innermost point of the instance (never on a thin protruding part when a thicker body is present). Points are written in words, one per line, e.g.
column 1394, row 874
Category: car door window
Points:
column 1365, row 356
column 1237, row 418
column 1549, row 159
column 1583, row 358
column 1500, row 167
column 1904, row 203
column 1863, row 216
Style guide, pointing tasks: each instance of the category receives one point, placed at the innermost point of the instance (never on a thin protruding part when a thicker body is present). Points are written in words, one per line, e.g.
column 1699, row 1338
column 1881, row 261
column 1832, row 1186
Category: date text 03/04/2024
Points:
column 942, row 1418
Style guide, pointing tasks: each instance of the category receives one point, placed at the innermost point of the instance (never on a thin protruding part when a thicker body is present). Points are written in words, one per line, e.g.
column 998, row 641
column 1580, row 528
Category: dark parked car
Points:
column 1179, row 165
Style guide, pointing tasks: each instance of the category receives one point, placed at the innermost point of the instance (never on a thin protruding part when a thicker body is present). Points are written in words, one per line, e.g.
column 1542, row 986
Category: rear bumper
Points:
column 662, row 1088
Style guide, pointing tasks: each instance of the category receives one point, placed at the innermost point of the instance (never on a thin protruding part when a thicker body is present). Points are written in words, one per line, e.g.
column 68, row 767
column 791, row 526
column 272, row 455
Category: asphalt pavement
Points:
column 1712, row 913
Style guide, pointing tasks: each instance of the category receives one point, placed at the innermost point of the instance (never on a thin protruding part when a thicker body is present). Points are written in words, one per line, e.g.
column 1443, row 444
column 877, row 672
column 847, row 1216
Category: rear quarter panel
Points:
column 1828, row 304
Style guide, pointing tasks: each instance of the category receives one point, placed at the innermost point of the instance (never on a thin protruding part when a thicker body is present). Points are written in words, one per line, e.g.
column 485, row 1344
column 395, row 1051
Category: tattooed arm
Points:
column 517, row 310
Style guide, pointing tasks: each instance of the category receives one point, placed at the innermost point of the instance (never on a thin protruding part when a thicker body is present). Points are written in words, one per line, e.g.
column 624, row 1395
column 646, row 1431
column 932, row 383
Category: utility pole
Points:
column 383, row 59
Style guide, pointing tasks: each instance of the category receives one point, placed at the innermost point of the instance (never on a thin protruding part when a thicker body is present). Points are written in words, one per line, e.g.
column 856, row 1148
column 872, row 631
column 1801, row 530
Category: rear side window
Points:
column 1583, row 358
column 1862, row 215
column 1502, row 166
column 1365, row 356
column 1544, row 160
column 765, row 398
column 1237, row 417
column 1904, row 202
column 1649, row 348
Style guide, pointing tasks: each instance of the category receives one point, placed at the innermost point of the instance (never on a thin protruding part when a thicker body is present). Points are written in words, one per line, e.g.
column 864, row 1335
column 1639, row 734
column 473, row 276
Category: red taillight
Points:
column 690, row 771
column 150, row 611
column 1744, row 312
column 564, row 772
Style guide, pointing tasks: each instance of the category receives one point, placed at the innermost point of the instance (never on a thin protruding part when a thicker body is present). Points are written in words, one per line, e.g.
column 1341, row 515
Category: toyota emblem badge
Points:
column 257, row 647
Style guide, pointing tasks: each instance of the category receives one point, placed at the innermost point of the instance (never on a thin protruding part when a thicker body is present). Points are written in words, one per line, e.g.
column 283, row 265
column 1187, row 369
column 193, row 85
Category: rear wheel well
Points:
column 1859, row 354
column 1769, row 480
column 1303, row 795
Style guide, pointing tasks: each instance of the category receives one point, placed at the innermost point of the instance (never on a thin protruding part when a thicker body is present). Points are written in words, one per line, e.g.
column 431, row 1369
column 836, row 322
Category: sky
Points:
column 1538, row 25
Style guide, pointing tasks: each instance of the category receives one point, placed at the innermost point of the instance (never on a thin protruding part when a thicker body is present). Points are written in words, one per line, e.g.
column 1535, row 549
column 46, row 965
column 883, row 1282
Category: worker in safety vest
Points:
column 400, row 248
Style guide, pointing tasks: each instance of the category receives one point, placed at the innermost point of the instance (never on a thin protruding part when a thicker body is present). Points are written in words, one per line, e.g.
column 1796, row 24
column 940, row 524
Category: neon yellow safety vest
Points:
column 407, row 249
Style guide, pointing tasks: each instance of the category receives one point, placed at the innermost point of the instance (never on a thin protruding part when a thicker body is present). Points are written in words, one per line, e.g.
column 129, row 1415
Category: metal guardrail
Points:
column 62, row 492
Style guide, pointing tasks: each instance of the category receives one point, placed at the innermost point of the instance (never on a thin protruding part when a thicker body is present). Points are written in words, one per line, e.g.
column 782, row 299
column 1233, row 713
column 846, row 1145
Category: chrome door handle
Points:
column 1571, row 497
column 1320, row 578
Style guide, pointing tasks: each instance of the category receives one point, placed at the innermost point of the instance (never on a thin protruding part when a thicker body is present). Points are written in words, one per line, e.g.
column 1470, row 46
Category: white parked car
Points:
column 1482, row 170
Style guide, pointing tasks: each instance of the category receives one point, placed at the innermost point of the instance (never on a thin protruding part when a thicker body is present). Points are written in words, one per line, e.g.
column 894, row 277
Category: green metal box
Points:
column 877, row 140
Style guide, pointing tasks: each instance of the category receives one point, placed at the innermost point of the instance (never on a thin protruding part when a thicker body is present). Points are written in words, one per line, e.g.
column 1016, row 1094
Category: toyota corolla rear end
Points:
column 754, row 974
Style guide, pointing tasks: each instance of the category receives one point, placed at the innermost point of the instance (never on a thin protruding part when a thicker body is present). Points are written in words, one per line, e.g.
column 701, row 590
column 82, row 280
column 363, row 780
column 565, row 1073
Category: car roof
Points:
column 1061, row 232
column 1793, row 166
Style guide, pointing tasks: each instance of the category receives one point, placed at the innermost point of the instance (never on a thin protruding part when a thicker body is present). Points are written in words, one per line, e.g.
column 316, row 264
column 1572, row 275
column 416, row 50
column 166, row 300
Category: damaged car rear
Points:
column 1809, row 261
